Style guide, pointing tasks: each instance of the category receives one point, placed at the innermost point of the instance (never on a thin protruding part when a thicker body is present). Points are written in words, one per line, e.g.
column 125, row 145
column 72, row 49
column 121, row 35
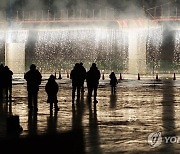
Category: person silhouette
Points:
column 113, row 82
column 2, row 79
column 83, row 71
column 92, row 79
column 8, row 81
column 76, row 77
column 33, row 78
column 51, row 89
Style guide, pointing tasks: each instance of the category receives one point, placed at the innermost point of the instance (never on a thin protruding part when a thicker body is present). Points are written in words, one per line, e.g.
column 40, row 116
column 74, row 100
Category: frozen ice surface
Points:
column 119, row 123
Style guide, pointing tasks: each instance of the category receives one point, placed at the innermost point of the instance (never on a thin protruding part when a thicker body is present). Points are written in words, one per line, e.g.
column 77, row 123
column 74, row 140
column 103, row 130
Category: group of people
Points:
column 33, row 77
column 79, row 75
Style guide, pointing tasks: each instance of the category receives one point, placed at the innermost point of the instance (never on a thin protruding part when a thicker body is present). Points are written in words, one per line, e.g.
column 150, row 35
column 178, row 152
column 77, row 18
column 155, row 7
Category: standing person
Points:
column 113, row 82
column 76, row 78
column 2, row 79
column 33, row 78
column 83, row 71
column 51, row 89
column 8, row 81
column 93, row 76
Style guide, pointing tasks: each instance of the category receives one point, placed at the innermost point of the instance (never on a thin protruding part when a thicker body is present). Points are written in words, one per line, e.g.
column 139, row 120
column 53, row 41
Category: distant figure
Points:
column 83, row 71
column 51, row 89
column 8, row 81
column 2, row 79
column 93, row 76
column 33, row 78
column 76, row 77
column 113, row 82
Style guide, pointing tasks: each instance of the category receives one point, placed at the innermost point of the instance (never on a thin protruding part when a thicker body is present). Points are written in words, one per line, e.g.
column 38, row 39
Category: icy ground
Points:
column 119, row 123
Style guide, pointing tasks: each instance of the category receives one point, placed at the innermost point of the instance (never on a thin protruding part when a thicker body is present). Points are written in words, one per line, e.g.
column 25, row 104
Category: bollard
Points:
column 67, row 75
column 60, row 77
column 174, row 78
column 138, row 76
column 120, row 77
column 157, row 78
column 103, row 76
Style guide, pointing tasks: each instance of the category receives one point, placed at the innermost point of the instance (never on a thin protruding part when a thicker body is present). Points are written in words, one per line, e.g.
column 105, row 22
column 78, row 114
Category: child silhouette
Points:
column 113, row 82
column 52, row 90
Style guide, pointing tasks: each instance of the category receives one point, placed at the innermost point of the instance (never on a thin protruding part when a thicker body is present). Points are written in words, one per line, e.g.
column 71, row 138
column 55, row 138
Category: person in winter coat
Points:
column 92, row 79
column 51, row 89
column 113, row 82
column 33, row 78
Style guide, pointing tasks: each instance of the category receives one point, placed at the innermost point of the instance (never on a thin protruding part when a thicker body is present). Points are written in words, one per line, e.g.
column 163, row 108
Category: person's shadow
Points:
column 77, row 113
column 3, row 117
column 94, row 139
column 32, row 123
column 52, row 123
column 113, row 100
column 77, row 128
column 168, row 115
column 6, row 106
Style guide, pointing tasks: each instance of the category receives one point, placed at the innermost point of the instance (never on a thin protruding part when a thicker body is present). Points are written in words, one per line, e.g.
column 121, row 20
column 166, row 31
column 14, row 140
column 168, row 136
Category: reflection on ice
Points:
column 118, row 123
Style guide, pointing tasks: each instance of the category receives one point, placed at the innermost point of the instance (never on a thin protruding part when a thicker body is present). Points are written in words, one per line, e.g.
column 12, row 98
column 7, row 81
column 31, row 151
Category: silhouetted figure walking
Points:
column 76, row 77
column 52, row 90
column 8, row 81
column 113, row 82
column 33, row 78
column 93, row 76
column 83, row 71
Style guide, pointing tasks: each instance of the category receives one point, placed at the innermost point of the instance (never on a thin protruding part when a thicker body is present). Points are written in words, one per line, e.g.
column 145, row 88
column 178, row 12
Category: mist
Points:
column 86, row 9
column 95, row 8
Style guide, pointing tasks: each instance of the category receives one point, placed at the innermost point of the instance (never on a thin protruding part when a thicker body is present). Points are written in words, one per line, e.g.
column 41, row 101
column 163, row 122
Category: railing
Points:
column 155, row 13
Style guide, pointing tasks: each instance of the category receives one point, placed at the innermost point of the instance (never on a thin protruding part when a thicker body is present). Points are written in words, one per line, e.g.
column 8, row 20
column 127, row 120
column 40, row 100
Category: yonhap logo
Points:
column 155, row 139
